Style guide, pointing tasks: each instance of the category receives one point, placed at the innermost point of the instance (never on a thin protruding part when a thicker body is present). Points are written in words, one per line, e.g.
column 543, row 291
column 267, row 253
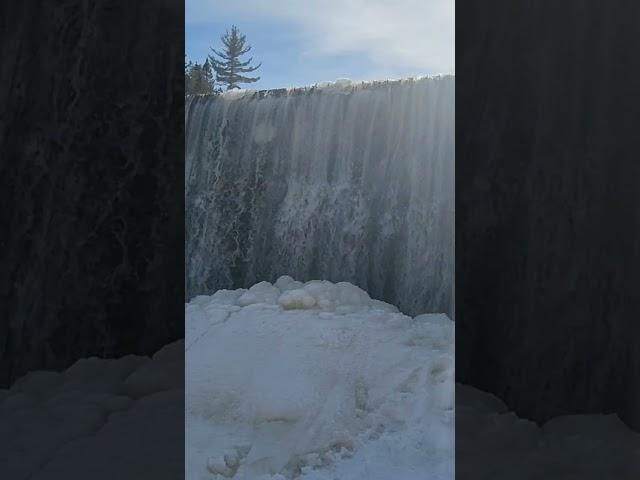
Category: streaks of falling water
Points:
column 346, row 184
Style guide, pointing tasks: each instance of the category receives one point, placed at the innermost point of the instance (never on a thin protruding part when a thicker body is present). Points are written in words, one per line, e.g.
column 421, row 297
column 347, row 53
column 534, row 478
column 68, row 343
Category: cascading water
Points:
column 346, row 182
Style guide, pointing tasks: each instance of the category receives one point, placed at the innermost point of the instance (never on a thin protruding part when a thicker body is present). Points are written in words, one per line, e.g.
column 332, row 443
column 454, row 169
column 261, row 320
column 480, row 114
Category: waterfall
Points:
column 343, row 182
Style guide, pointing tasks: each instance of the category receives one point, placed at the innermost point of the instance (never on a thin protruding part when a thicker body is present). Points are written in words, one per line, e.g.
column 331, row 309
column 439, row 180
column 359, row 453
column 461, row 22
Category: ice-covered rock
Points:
column 262, row 292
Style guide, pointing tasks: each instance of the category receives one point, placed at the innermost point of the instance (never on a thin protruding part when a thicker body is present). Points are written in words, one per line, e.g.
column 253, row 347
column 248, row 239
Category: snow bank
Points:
column 316, row 381
column 62, row 425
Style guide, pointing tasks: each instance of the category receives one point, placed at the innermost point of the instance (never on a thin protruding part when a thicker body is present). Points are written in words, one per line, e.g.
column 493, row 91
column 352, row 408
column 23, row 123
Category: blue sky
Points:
column 302, row 42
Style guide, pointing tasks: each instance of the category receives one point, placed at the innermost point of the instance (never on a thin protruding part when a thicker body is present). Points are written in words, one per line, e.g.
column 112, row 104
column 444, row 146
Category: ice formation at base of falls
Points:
column 316, row 381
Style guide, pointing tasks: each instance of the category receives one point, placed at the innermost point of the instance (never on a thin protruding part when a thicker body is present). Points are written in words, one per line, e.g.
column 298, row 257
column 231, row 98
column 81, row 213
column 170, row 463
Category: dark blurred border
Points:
column 91, row 181
column 547, row 205
column 91, row 221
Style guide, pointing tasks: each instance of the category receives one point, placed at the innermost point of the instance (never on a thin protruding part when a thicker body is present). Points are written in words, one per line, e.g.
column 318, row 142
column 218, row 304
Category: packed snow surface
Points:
column 316, row 381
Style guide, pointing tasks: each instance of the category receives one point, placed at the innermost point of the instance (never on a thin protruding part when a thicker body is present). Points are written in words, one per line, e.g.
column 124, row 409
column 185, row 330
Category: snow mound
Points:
column 316, row 381
column 290, row 294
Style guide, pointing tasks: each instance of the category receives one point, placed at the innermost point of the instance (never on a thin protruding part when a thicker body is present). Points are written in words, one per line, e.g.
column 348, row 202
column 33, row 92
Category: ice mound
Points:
column 296, row 299
column 316, row 381
column 290, row 294
column 61, row 424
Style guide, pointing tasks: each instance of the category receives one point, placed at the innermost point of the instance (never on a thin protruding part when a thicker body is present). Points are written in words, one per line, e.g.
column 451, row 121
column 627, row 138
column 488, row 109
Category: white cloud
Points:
column 393, row 34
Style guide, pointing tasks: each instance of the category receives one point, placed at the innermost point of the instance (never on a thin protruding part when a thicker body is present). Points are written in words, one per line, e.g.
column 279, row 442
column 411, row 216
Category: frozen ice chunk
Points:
column 320, row 289
column 227, row 297
column 296, row 300
column 348, row 294
column 262, row 292
column 283, row 281
column 384, row 306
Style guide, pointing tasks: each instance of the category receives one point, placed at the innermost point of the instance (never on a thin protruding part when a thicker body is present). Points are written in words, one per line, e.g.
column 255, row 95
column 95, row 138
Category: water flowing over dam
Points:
column 346, row 182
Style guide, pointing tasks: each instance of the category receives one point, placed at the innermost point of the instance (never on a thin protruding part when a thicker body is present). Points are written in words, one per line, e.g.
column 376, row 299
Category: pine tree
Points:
column 199, row 79
column 229, row 69
column 188, row 84
column 209, row 79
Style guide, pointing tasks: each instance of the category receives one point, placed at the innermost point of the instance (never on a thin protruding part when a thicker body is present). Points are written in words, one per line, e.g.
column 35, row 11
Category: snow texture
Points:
column 316, row 381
